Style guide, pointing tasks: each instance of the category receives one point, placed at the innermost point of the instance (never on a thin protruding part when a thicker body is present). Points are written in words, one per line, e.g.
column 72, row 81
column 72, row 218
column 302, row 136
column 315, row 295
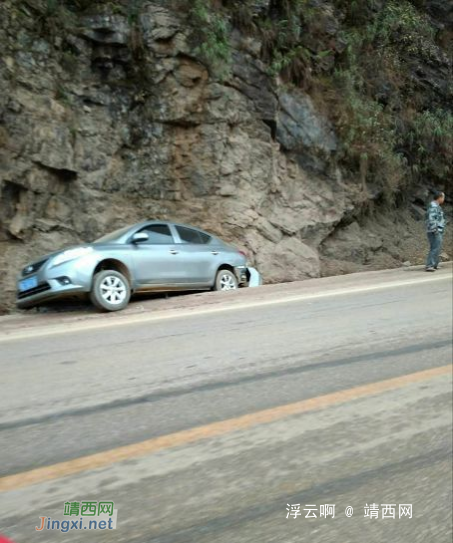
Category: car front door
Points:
column 157, row 260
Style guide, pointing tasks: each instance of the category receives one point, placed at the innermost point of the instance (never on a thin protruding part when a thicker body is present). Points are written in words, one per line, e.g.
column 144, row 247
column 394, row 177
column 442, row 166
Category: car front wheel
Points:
column 110, row 291
column 225, row 280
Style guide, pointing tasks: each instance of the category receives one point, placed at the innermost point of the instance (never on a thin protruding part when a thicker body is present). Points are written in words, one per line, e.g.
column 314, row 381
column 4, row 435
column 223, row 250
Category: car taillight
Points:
column 243, row 253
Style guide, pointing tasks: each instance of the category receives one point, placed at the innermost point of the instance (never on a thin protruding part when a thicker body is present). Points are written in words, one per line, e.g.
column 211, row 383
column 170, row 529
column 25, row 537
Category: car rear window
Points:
column 159, row 234
column 188, row 235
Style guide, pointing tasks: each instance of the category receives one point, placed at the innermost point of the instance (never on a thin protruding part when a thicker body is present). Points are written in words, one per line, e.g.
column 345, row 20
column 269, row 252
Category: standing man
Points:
column 435, row 226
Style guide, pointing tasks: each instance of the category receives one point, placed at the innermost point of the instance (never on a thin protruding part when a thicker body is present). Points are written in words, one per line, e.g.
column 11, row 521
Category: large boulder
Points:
column 288, row 260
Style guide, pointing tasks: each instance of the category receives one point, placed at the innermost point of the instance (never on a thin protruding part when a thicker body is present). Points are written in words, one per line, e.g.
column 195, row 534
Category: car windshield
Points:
column 113, row 236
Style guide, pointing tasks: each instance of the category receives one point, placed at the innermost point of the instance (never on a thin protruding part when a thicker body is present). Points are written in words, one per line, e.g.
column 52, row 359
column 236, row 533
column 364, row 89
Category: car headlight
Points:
column 71, row 254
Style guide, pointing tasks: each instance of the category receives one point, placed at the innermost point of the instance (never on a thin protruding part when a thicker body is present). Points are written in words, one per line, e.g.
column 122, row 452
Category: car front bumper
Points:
column 248, row 277
column 241, row 274
column 72, row 278
column 255, row 279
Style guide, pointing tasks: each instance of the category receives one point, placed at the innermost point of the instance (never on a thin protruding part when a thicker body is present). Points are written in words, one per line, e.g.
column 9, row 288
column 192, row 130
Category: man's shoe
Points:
column 430, row 269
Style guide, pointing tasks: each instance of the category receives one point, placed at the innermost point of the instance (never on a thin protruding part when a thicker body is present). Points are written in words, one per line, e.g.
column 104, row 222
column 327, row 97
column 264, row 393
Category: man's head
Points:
column 439, row 197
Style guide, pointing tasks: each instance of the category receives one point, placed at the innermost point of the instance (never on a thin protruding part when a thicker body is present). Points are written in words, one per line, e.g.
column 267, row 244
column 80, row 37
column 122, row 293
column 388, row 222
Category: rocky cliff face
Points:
column 109, row 116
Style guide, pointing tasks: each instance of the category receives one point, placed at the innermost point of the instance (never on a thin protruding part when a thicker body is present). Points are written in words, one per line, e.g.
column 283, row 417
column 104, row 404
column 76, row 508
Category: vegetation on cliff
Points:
column 380, row 68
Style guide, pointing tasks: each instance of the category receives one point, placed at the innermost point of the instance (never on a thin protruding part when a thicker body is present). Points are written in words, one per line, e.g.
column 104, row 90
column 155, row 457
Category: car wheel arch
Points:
column 115, row 265
column 228, row 267
column 225, row 267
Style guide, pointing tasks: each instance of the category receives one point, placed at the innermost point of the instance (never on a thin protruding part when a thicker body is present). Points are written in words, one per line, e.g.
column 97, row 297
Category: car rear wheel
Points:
column 225, row 280
column 110, row 291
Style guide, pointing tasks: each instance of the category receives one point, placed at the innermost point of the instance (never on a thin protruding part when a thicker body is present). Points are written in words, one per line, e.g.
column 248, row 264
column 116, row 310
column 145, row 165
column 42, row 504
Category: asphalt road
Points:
column 204, row 426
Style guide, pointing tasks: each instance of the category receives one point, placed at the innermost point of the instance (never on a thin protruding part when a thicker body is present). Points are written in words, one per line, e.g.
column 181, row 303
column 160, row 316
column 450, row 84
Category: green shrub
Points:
column 368, row 135
column 214, row 47
column 430, row 144
column 405, row 30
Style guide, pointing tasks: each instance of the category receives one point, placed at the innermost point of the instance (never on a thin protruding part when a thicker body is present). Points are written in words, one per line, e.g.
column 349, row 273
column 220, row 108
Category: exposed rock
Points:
column 117, row 119
column 106, row 29
column 288, row 260
column 251, row 79
column 419, row 213
column 352, row 244
column 162, row 31
column 300, row 126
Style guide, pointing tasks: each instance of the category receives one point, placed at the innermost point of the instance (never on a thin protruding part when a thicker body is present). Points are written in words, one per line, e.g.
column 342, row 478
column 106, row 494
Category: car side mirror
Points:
column 140, row 237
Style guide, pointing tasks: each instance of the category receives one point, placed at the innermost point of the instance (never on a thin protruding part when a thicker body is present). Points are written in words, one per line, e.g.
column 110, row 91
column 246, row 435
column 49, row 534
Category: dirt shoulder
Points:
column 61, row 316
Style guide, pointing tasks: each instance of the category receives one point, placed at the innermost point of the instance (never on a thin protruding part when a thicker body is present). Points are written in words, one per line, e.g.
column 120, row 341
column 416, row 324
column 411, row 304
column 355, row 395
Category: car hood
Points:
column 55, row 253
column 94, row 245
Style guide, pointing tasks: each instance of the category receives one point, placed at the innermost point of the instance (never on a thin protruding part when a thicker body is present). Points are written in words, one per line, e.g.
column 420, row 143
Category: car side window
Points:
column 205, row 238
column 159, row 234
column 188, row 235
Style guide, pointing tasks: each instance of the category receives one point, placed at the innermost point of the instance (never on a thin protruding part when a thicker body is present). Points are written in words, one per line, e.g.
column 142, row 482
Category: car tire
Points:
column 225, row 280
column 110, row 291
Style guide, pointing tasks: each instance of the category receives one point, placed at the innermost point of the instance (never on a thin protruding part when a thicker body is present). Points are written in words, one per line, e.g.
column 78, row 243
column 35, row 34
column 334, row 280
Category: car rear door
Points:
column 199, row 255
column 157, row 261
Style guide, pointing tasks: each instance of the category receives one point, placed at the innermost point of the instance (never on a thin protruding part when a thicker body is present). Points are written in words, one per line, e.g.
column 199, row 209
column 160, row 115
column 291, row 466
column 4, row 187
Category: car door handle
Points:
column 215, row 252
column 173, row 252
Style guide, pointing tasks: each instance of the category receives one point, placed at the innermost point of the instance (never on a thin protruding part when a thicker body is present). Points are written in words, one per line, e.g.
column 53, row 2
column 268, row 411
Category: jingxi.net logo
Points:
column 86, row 515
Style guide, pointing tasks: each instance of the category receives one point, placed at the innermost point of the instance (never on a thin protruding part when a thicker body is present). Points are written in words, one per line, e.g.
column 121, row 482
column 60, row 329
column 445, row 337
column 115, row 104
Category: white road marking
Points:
column 65, row 328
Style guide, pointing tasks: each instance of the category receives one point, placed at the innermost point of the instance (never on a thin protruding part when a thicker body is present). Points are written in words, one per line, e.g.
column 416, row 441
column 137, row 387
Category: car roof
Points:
column 139, row 225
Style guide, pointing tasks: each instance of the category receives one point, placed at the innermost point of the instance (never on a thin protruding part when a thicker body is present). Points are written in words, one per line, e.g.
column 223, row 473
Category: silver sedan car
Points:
column 149, row 256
